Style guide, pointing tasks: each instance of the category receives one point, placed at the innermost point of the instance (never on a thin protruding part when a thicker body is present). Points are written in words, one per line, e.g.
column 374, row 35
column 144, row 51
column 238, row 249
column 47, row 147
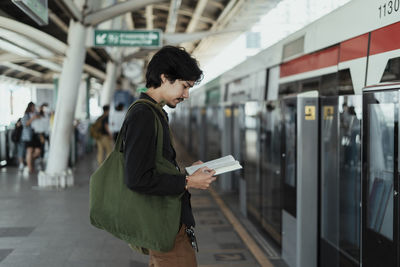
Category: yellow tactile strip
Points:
column 184, row 159
column 247, row 239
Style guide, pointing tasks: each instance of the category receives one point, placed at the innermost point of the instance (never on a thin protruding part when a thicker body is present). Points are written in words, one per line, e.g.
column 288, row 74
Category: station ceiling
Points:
column 208, row 25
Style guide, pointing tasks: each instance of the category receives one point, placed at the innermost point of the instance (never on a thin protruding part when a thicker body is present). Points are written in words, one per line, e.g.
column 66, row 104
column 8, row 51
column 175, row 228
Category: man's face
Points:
column 176, row 92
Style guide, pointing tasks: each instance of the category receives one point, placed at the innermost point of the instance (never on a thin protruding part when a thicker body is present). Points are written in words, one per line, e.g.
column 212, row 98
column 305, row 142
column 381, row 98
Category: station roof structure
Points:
column 35, row 53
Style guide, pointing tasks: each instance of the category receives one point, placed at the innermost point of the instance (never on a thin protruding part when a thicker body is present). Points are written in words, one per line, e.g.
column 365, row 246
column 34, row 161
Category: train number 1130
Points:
column 389, row 8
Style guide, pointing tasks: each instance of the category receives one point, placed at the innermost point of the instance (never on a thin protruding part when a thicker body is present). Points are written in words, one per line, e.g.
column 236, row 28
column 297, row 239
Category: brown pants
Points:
column 182, row 255
column 104, row 144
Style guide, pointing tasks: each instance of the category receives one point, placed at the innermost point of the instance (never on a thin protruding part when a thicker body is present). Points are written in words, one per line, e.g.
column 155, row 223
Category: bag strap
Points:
column 152, row 106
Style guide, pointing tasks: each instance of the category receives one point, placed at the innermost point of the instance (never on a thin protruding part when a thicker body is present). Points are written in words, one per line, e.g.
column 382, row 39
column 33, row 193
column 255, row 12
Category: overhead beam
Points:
column 64, row 27
column 173, row 15
column 73, row 9
column 149, row 17
column 201, row 5
column 185, row 12
column 94, row 72
column 20, row 69
column 11, row 57
column 53, row 17
column 129, row 21
column 34, row 34
column 216, row 4
column 108, row 13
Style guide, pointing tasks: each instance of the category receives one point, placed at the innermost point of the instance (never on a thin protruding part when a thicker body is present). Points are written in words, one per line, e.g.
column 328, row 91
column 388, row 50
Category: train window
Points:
column 288, row 88
column 329, row 84
column 392, row 70
column 293, row 48
column 345, row 86
column 310, row 86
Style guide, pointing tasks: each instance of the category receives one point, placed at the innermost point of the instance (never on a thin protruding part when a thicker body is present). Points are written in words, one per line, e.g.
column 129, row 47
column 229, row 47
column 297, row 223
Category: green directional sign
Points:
column 137, row 38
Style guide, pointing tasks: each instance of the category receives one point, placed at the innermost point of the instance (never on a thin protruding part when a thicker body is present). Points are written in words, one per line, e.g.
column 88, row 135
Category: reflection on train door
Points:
column 288, row 172
column 251, row 159
column 289, row 134
column 340, row 180
column 271, row 181
column 380, row 178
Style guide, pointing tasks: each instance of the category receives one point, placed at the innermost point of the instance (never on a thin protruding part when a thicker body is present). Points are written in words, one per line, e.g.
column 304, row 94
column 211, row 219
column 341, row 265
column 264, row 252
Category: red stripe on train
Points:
column 318, row 60
column 354, row 48
column 385, row 39
column 382, row 40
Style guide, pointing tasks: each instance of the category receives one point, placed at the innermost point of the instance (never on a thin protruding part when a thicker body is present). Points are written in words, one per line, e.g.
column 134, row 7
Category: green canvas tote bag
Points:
column 144, row 221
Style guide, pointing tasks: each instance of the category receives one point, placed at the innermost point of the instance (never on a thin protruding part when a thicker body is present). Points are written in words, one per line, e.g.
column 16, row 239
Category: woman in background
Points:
column 32, row 141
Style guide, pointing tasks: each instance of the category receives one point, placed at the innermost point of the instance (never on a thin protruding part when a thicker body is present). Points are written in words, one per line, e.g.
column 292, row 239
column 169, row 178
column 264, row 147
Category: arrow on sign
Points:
column 101, row 38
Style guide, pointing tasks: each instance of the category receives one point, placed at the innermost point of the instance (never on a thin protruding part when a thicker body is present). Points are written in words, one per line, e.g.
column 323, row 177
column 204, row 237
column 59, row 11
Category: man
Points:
column 105, row 140
column 170, row 74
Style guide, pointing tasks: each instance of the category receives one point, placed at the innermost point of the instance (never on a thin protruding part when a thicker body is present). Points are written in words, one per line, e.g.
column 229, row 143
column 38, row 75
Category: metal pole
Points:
column 56, row 171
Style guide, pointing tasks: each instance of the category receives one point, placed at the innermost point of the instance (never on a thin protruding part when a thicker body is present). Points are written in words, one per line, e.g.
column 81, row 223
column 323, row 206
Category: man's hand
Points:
column 197, row 163
column 201, row 179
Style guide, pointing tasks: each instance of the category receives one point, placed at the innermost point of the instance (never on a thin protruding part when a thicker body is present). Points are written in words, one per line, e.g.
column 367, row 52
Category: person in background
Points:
column 40, row 128
column 16, row 138
column 116, row 119
column 105, row 141
column 32, row 141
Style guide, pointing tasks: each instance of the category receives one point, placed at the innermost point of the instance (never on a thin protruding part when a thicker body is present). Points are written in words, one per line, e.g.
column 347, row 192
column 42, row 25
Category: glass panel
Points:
column 194, row 125
column 270, row 170
column 350, row 175
column 290, row 146
column 381, row 162
column 251, row 159
column 330, row 172
column 340, row 179
column 213, row 133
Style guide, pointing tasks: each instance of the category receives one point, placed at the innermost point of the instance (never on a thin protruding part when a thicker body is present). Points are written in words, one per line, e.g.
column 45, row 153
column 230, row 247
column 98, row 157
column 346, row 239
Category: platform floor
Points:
column 49, row 228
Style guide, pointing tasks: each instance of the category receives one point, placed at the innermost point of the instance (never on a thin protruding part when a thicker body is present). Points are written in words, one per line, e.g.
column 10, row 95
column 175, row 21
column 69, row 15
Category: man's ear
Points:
column 163, row 78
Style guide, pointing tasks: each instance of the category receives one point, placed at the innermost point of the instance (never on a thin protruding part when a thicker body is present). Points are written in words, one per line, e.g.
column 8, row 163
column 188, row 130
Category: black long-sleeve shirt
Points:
column 140, row 153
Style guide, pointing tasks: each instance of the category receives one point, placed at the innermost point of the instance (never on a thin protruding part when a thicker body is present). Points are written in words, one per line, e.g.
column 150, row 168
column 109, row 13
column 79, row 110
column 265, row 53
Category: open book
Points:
column 221, row 165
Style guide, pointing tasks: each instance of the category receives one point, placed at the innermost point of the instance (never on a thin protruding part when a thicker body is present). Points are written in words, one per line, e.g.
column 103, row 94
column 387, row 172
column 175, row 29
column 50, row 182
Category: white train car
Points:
column 320, row 182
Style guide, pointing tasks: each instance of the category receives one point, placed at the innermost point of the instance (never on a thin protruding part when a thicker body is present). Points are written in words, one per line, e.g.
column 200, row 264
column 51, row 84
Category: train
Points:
column 314, row 121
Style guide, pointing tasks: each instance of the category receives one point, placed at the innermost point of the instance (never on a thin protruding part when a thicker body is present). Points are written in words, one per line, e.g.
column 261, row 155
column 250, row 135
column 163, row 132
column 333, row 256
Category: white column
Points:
column 56, row 171
column 80, row 110
column 109, row 84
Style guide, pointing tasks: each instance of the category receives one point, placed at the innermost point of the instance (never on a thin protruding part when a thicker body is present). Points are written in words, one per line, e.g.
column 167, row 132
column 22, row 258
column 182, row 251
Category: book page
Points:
column 230, row 168
column 223, row 163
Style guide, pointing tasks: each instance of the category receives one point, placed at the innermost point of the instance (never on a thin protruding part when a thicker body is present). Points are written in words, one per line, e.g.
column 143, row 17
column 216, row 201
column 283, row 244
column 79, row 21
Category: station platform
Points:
column 43, row 227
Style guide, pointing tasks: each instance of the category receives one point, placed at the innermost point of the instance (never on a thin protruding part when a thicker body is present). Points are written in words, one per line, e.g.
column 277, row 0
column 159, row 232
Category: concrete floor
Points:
column 50, row 228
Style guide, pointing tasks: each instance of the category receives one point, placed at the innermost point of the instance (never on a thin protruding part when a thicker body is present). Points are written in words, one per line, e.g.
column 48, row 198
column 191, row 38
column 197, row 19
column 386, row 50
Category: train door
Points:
column 299, row 170
column 213, row 119
column 251, row 160
column 201, row 133
column 380, row 178
column 340, row 180
column 225, row 180
column 236, row 144
column 271, row 181
column 193, row 141
column 288, row 172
